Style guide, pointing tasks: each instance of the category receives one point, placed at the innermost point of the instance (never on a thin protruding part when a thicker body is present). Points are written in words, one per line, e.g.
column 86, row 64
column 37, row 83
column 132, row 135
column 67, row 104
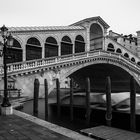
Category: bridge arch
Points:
column 15, row 52
column 96, row 36
column 51, row 47
column 33, row 49
column 117, row 65
column 66, row 45
column 79, row 44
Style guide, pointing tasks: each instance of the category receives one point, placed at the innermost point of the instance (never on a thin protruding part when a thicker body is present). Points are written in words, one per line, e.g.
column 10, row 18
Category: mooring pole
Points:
column 58, row 97
column 46, row 99
column 88, row 101
column 71, row 99
column 132, row 104
column 36, row 94
column 108, row 116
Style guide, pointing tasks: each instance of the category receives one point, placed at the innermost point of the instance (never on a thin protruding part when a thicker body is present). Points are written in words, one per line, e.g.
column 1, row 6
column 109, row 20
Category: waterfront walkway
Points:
column 13, row 127
column 21, row 126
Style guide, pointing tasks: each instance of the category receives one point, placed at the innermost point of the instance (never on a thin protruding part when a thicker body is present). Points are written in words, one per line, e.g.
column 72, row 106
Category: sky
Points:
column 123, row 16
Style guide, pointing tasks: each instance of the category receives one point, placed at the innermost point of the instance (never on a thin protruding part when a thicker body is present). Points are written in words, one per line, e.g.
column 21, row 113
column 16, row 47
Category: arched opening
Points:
column 66, row 46
column 118, row 51
column 126, row 55
column 79, row 44
column 138, row 63
column 120, row 78
column 51, row 47
column 133, row 59
column 110, row 48
column 33, row 49
column 14, row 53
column 96, row 37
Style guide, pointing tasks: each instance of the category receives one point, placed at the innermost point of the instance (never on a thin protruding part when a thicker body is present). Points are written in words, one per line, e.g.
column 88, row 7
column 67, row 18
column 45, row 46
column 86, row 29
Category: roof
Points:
column 92, row 19
column 44, row 28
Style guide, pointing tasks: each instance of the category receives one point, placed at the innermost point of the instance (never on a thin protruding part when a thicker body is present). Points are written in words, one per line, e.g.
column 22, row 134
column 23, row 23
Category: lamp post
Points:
column 7, row 42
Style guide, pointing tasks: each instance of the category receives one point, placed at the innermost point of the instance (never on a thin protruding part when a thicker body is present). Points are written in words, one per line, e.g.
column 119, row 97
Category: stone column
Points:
column 88, row 38
column 24, row 51
column 104, row 36
column 59, row 48
column 43, row 49
column 138, row 43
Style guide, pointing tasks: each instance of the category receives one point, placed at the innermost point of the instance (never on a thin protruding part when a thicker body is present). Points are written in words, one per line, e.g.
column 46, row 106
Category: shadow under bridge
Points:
column 120, row 79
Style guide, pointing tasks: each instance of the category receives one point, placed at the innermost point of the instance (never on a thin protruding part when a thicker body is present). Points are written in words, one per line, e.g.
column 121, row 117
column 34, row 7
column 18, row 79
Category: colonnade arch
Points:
column 96, row 37
column 51, row 47
column 111, row 48
column 79, row 44
column 14, row 53
column 118, row 51
column 33, row 49
column 66, row 46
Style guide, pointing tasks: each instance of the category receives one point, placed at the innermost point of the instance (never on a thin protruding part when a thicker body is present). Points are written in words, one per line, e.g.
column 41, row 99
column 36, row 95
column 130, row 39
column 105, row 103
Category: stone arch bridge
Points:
column 94, row 64
column 78, row 50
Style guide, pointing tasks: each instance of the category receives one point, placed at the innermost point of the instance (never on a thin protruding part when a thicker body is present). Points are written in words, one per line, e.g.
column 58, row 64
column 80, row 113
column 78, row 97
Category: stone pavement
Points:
column 21, row 126
column 13, row 127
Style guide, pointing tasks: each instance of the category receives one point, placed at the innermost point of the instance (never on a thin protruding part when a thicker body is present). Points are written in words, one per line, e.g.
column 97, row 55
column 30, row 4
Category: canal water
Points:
column 119, row 120
column 76, row 125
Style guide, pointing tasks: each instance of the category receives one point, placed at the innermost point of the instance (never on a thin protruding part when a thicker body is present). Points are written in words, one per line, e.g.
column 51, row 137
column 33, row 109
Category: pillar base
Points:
column 7, row 110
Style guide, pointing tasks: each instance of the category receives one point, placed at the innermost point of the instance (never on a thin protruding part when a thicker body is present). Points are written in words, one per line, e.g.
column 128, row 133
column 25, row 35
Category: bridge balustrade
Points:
column 21, row 66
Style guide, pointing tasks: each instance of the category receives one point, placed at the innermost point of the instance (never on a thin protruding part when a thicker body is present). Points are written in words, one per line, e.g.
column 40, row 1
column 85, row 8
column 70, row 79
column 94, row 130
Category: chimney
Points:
column 138, row 43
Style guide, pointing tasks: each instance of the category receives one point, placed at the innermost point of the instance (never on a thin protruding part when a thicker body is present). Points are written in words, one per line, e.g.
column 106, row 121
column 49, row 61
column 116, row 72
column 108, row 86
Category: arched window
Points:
column 66, row 46
column 110, row 48
column 14, row 53
column 51, row 47
column 33, row 49
column 133, row 59
column 79, row 44
column 126, row 55
column 119, row 50
column 96, row 37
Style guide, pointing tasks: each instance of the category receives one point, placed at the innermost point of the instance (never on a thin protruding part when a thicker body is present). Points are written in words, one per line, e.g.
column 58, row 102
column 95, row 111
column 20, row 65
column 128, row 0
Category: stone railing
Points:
column 27, row 65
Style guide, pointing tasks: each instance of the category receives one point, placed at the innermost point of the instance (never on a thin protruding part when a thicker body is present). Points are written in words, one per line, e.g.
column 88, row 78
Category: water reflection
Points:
column 64, row 120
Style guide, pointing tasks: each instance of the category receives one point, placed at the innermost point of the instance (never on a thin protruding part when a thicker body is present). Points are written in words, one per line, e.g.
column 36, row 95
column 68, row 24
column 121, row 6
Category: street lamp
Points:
column 7, row 42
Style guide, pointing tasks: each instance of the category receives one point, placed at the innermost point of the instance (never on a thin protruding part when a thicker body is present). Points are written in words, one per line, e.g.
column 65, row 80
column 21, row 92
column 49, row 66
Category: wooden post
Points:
column 88, row 101
column 132, row 104
column 71, row 99
column 36, row 94
column 46, row 99
column 58, row 96
column 108, row 116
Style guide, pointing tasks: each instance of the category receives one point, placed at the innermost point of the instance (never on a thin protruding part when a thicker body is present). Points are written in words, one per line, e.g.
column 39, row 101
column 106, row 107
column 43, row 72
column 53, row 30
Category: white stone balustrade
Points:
column 27, row 65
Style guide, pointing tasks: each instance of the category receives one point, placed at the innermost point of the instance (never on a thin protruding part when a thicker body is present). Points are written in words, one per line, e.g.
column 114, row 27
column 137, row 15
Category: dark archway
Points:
column 138, row 63
column 133, row 59
column 79, row 44
column 66, row 46
column 110, row 47
column 126, row 55
column 14, row 53
column 96, row 37
column 119, row 51
column 51, row 47
column 120, row 79
column 33, row 49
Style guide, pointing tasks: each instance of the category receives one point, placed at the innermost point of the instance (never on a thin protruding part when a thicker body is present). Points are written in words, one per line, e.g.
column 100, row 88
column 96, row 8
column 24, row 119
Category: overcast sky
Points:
column 123, row 16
